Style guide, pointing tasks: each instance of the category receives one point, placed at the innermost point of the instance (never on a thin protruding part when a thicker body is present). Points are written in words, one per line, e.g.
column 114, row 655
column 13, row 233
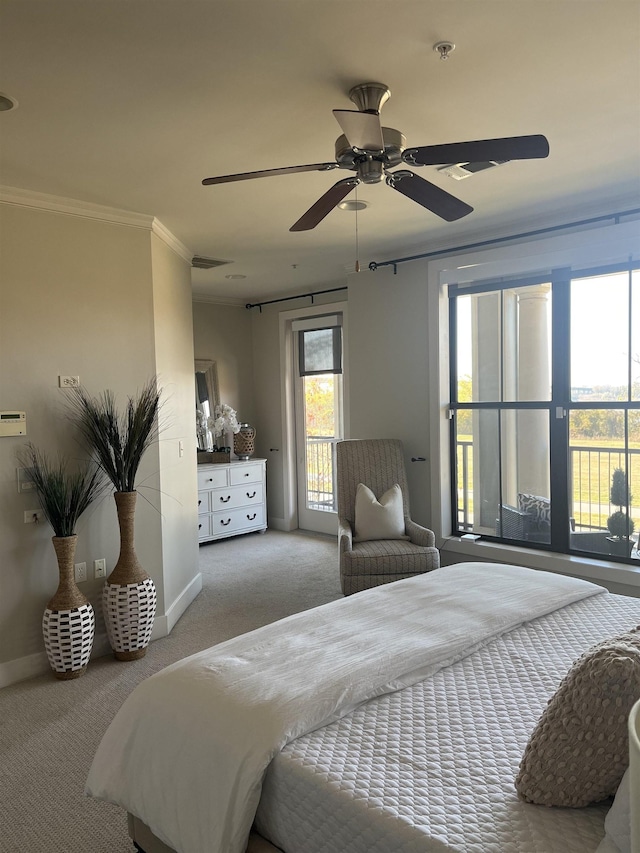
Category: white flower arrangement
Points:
column 225, row 420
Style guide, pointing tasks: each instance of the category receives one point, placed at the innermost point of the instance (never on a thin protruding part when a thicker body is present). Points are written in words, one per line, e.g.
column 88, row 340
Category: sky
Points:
column 599, row 331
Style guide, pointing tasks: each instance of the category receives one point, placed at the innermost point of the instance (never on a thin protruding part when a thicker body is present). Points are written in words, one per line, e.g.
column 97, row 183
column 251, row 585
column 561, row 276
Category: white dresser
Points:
column 232, row 499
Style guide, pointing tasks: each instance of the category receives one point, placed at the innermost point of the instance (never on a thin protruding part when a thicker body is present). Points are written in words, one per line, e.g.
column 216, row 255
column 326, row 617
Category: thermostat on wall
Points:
column 13, row 423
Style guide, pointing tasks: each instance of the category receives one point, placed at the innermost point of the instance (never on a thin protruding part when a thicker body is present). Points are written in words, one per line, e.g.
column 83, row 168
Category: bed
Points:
column 393, row 720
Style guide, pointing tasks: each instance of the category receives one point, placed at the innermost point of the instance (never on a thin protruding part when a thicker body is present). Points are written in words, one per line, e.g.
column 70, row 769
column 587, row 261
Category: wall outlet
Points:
column 33, row 516
column 100, row 568
column 68, row 381
column 80, row 572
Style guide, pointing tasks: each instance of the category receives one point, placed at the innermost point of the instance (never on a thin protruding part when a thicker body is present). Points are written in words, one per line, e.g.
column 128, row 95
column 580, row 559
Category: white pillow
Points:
column 383, row 519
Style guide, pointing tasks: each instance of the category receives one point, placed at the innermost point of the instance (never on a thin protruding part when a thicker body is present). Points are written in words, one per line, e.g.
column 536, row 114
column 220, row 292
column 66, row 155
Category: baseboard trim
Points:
column 20, row 669
column 163, row 625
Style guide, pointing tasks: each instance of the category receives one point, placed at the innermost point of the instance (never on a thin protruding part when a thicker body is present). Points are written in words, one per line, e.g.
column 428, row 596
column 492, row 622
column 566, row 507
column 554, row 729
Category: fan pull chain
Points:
column 357, row 243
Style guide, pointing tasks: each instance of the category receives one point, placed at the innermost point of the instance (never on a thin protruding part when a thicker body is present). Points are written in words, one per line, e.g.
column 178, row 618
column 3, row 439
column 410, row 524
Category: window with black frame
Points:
column 545, row 402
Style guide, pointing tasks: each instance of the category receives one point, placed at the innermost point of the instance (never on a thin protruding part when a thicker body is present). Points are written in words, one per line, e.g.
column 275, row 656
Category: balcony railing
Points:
column 321, row 485
column 590, row 474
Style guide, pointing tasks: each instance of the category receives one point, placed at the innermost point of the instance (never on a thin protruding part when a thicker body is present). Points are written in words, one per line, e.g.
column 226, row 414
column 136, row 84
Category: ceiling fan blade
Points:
column 363, row 130
column 483, row 150
column 428, row 195
column 265, row 173
column 325, row 204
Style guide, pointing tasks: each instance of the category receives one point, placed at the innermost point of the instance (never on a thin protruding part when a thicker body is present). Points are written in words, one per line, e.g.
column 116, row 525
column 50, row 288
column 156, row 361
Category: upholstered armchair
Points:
column 379, row 465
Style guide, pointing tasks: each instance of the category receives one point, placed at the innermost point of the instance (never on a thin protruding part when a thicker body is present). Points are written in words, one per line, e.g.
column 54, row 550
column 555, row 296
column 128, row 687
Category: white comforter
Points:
column 187, row 751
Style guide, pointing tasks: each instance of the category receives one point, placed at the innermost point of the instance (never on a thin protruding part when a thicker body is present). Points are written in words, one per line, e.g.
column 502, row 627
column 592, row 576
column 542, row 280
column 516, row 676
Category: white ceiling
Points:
column 131, row 103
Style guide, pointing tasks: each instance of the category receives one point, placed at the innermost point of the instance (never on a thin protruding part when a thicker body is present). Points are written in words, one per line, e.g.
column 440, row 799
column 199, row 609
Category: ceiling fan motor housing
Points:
column 394, row 145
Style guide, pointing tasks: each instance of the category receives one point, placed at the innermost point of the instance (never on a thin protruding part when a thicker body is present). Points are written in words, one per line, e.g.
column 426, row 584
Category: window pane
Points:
column 597, row 444
column 322, row 431
column 464, row 469
column 477, row 470
column 635, row 335
column 600, row 337
column 503, row 344
column 320, row 351
column 514, row 445
column 525, row 512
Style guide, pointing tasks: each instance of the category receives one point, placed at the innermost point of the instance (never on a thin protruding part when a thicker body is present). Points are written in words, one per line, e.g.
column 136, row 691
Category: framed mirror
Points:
column 207, row 398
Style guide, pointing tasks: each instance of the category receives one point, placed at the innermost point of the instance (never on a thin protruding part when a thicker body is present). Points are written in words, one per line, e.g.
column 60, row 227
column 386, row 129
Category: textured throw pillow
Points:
column 383, row 519
column 538, row 508
column 579, row 750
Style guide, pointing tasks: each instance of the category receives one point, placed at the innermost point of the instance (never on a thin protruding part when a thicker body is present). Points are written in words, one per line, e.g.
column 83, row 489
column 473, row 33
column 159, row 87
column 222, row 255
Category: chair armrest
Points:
column 419, row 535
column 345, row 535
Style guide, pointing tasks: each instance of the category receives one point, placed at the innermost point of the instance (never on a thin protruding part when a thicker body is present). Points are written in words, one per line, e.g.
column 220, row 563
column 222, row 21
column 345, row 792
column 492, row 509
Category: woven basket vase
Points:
column 68, row 622
column 244, row 442
column 129, row 596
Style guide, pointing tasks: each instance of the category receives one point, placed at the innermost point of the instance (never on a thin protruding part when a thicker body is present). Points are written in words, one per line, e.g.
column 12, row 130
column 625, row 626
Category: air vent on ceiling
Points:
column 207, row 263
column 459, row 171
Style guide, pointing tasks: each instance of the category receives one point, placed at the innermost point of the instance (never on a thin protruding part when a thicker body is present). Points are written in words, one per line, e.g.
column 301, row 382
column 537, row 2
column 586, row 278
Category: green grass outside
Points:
column 592, row 474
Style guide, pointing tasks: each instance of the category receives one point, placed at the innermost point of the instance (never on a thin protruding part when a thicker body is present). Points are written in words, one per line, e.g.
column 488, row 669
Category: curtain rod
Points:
column 374, row 265
column 287, row 298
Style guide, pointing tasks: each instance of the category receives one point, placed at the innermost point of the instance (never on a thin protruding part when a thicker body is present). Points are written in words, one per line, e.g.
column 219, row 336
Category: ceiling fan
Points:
column 371, row 151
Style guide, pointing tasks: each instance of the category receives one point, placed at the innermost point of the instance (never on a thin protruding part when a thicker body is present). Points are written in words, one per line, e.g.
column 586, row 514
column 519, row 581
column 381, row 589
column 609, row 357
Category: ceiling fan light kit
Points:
column 372, row 151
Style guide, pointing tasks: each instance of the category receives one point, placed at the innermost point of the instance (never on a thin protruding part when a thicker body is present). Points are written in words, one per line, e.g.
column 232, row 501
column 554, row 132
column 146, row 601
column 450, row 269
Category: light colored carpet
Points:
column 50, row 729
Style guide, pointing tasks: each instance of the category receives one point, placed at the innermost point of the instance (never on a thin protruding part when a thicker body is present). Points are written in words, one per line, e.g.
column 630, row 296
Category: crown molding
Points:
column 89, row 210
column 171, row 240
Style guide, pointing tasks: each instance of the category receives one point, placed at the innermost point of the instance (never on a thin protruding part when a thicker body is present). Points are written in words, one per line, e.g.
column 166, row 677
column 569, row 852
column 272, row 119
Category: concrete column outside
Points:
column 533, row 384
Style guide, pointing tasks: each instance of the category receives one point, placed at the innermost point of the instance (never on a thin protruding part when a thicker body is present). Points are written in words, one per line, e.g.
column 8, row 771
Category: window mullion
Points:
column 559, row 409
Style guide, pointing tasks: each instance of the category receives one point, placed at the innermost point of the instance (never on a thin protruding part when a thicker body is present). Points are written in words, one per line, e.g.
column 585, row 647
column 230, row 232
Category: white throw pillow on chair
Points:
column 379, row 519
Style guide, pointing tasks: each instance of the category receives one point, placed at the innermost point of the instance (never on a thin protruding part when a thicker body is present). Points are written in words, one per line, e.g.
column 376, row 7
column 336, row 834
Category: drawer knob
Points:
column 224, row 523
column 251, row 495
column 251, row 517
column 246, row 475
column 199, row 527
column 225, row 500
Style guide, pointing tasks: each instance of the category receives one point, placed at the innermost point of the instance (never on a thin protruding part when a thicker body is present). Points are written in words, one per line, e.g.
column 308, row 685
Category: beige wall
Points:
column 173, row 328
column 77, row 297
column 388, row 358
column 222, row 333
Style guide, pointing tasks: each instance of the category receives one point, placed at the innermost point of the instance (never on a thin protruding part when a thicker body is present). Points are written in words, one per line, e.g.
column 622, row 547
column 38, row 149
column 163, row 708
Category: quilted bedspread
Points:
column 188, row 750
column 431, row 768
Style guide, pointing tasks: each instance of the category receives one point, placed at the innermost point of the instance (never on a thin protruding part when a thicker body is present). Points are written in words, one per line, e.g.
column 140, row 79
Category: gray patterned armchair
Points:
column 379, row 464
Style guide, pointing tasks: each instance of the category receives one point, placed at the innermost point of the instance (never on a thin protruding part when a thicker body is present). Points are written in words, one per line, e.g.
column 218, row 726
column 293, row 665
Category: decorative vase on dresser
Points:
column 244, row 442
column 129, row 595
column 232, row 499
column 68, row 622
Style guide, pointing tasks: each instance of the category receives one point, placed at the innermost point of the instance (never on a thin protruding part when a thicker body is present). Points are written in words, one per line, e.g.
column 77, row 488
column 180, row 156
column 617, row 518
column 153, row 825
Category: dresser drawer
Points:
column 234, row 496
column 204, row 501
column 212, row 477
column 235, row 520
column 245, row 473
column 204, row 526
